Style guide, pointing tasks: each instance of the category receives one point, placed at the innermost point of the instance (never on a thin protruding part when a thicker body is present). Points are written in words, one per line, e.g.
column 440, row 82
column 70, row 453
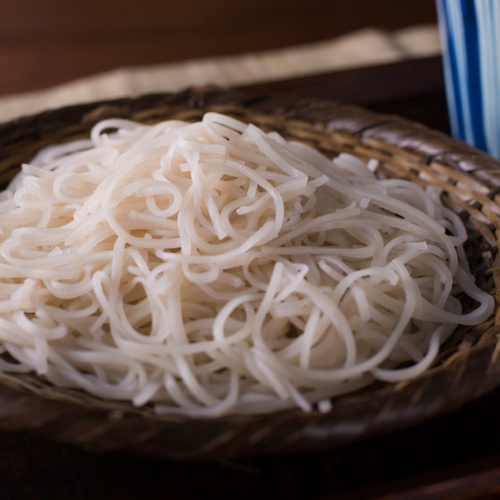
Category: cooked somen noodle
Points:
column 212, row 268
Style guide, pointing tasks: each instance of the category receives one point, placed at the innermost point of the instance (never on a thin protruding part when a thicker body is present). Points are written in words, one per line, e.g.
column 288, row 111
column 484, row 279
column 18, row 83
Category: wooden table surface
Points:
column 48, row 42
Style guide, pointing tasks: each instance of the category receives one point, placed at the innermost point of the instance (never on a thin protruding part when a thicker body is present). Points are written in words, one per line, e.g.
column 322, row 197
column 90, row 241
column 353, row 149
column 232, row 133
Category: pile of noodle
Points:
column 212, row 268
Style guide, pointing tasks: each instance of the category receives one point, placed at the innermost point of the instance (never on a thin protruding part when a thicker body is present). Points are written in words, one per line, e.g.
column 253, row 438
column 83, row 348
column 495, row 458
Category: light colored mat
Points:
column 361, row 48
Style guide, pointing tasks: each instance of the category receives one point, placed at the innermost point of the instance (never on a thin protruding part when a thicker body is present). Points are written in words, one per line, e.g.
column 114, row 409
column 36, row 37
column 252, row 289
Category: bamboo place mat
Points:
column 367, row 47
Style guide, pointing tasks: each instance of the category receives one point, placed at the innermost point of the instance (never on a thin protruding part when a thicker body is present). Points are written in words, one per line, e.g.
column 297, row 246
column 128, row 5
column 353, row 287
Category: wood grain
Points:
column 44, row 43
column 390, row 89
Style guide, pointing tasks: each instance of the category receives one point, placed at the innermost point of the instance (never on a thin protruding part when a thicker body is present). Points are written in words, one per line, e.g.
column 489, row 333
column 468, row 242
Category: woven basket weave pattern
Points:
column 467, row 366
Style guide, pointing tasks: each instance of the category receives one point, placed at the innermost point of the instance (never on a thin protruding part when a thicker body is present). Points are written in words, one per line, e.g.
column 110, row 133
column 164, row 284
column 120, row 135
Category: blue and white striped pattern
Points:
column 470, row 35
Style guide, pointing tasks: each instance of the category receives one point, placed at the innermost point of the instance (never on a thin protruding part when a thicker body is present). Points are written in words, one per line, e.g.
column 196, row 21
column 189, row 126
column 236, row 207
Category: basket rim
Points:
column 472, row 370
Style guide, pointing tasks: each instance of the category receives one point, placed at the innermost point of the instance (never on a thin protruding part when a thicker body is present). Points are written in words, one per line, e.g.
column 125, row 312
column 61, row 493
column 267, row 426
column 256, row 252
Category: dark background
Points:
column 47, row 42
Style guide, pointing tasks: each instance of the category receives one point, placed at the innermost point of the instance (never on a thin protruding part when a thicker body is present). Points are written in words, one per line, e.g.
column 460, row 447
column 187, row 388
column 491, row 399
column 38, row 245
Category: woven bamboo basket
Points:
column 467, row 366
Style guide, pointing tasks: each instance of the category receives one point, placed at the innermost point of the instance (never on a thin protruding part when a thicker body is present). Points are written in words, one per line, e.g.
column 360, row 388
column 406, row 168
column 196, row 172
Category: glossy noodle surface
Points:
column 211, row 268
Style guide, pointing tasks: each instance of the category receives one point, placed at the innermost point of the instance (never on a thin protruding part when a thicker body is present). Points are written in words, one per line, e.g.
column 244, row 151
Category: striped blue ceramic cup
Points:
column 470, row 35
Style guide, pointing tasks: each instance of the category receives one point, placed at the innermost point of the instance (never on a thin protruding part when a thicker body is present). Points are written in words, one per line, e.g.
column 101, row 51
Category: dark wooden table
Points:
column 452, row 457
column 48, row 42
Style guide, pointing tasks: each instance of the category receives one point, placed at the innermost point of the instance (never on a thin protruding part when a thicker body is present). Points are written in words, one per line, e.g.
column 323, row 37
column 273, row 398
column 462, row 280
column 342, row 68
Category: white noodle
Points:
column 212, row 268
